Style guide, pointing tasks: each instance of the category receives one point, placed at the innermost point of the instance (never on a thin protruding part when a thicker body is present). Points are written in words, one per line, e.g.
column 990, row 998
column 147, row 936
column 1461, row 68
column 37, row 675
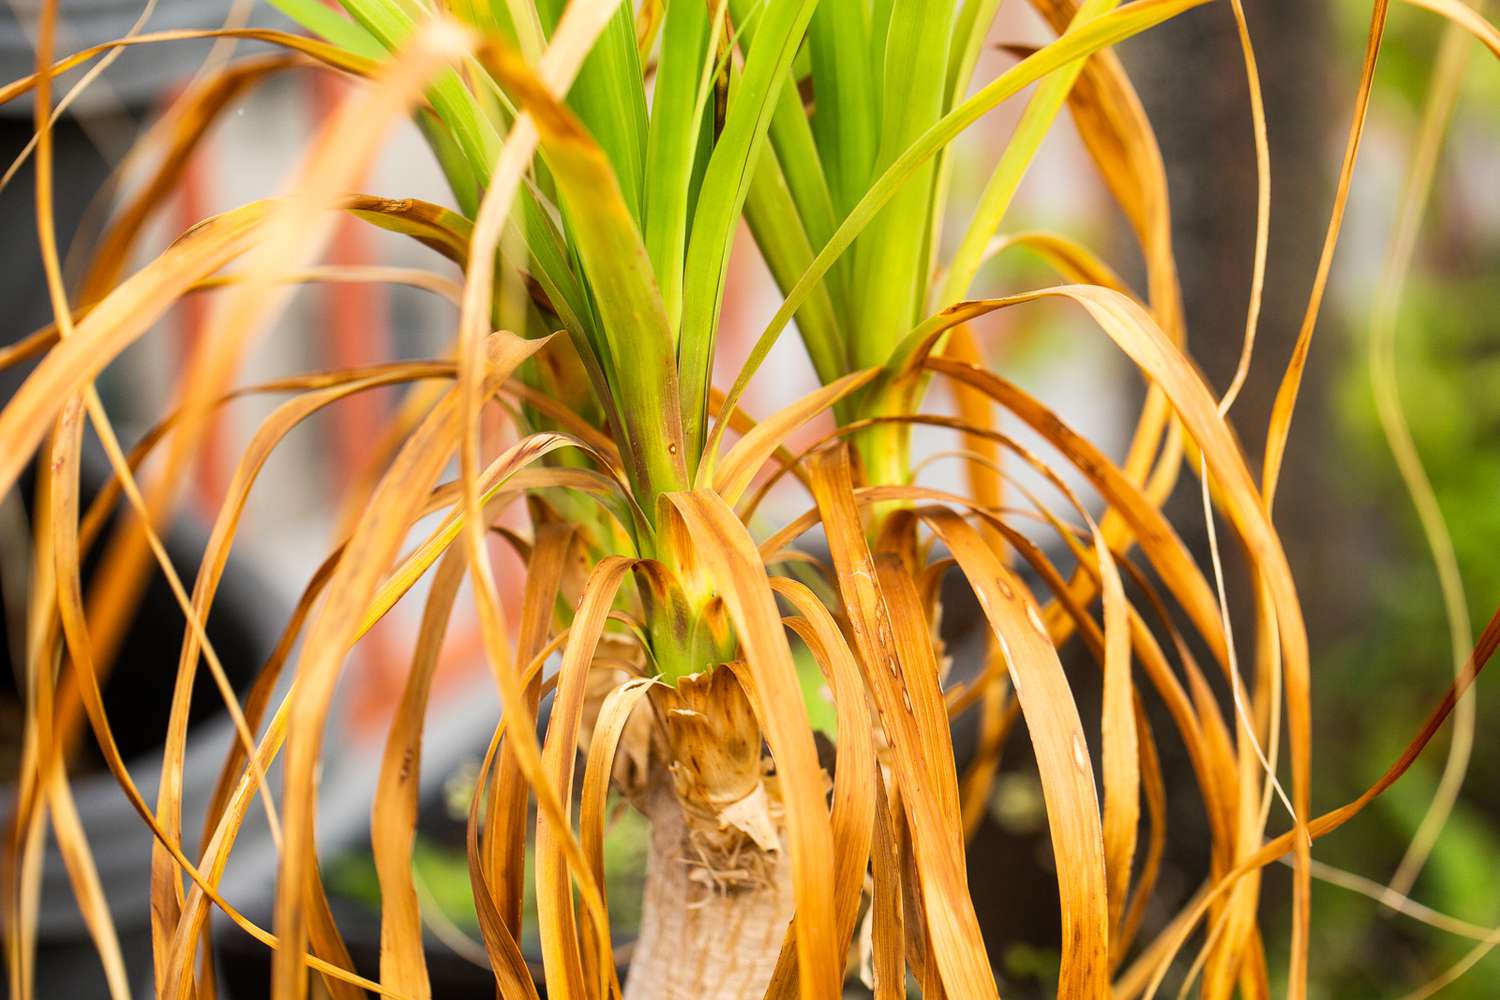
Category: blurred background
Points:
column 1382, row 655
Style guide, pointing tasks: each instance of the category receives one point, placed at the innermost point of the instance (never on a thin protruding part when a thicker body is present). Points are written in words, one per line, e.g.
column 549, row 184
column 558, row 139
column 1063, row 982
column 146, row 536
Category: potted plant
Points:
column 601, row 159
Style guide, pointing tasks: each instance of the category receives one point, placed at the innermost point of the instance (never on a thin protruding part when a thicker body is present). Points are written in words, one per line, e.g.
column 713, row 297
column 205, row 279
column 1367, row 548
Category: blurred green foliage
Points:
column 442, row 872
column 1375, row 686
column 1378, row 683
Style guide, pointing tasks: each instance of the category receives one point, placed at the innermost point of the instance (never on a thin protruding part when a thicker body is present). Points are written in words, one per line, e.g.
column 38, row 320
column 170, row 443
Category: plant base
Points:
column 712, row 923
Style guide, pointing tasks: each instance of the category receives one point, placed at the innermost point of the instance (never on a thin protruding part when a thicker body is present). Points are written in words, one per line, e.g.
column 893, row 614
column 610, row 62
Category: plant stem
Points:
column 700, row 941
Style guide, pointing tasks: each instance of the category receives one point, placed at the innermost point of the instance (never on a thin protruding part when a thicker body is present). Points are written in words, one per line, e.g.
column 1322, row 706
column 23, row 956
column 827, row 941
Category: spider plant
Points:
column 601, row 157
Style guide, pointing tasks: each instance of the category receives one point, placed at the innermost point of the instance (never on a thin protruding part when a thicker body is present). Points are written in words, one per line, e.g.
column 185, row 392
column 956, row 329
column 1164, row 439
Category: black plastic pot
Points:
column 137, row 696
column 244, row 964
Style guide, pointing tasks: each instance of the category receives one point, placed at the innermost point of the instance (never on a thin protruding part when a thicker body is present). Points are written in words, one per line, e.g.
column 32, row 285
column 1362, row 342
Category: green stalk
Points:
column 892, row 258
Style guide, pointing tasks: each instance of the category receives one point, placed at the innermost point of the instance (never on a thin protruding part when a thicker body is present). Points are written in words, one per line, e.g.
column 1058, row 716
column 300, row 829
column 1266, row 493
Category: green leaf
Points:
column 456, row 167
column 797, row 152
column 726, row 185
column 609, row 97
column 327, row 24
column 1035, row 125
column 845, row 99
column 892, row 259
column 672, row 145
column 796, row 148
column 481, row 15
column 783, row 243
column 975, row 18
column 640, row 361
column 390, row 23
column 806, row 220
column 1088, row 39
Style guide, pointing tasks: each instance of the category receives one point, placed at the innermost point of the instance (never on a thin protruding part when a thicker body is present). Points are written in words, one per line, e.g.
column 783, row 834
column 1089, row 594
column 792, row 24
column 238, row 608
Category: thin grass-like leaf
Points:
column 854, row 771
column 899, row 687
column 1062, row 754
column 1447, row 78
column 403, row 964
column 354, row 583
column 555, row 910
column 1152, row 967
